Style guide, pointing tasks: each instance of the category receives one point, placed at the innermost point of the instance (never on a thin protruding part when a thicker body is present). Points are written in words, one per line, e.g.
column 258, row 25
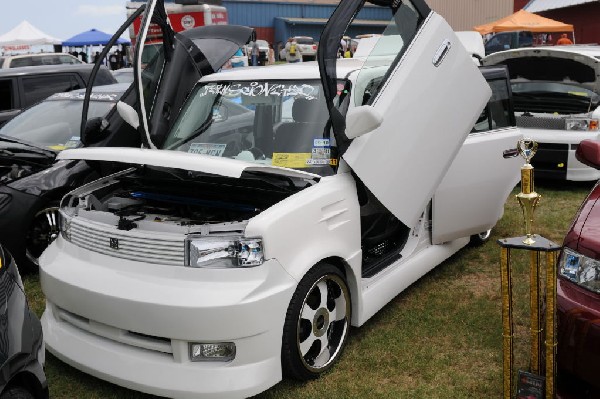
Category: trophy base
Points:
column 529, row 240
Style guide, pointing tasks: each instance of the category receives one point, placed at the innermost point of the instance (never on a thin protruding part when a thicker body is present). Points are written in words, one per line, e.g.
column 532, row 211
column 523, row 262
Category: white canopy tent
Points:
column 26, row 34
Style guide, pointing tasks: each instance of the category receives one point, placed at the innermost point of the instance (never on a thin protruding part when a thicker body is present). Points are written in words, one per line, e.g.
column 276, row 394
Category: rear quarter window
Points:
column 37, row 88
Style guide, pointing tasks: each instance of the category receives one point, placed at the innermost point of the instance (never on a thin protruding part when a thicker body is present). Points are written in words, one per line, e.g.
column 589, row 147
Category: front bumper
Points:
column 556, row 159
column 578, row 312
column 130, row 323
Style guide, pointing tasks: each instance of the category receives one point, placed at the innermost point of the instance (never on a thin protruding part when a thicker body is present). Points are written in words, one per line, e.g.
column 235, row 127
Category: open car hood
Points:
column 180, row 160
column 549, row 64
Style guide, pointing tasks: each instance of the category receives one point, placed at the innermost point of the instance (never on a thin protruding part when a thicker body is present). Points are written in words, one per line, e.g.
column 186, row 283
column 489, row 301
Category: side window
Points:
column 6, row 95
column 21, row 62
column 39, row 87
column 2, row 61
column 386, row 54
column 497, row 113
column 65, row 59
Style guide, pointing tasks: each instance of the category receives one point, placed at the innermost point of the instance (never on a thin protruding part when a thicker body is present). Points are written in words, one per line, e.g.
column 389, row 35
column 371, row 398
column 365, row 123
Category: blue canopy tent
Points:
column 91, row 38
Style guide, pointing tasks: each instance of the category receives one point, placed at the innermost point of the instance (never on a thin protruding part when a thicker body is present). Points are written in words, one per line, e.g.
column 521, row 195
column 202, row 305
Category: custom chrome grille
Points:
column 536, row 122
column 168, row 249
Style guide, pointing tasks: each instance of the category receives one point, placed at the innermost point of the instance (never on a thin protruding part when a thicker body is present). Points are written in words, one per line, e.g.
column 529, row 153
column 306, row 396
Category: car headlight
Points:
column 580, row 269
column 65, row 225
column 223, row 251
column 582, row 124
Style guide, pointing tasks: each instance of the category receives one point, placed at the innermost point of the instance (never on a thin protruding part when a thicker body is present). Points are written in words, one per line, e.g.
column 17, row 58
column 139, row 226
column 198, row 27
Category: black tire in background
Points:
column 17, row 393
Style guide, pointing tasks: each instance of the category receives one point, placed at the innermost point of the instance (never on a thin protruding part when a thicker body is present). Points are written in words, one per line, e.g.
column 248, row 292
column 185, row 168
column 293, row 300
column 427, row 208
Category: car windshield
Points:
column 553, row 97
column 280, row 123
column 53, row 124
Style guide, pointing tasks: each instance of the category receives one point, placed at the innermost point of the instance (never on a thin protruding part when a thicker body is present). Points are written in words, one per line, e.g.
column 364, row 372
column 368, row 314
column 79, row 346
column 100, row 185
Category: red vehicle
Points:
column 578, row 292
column 183, row 15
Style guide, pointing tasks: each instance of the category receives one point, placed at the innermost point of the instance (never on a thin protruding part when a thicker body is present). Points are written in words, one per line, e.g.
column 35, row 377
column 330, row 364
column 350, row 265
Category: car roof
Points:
column 298, row 70
column 44, row 69
column 109, row 93
column 36, row 55
column 589, row 50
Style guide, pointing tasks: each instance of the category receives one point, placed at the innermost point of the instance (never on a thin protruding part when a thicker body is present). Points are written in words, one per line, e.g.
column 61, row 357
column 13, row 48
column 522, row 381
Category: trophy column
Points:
column 531, row 383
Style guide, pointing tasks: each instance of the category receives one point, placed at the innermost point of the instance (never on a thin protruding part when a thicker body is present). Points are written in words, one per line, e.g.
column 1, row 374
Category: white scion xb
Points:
column 274, row 209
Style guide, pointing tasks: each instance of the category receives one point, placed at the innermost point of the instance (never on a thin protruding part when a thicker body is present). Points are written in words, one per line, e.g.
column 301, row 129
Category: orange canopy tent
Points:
column 523, row 20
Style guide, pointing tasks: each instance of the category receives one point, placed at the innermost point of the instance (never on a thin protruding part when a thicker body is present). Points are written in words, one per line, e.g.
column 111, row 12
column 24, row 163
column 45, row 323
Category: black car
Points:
column 25, row 86
column 29, row 144
column 31, row 185
column 22, row 350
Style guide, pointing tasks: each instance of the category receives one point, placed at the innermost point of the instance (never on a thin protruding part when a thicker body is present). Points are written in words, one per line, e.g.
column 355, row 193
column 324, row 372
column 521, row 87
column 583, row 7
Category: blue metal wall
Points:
column 262, row 14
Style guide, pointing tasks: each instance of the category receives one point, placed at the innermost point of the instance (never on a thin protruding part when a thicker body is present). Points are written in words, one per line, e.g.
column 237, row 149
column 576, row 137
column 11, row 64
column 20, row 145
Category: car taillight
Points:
column 314, row 47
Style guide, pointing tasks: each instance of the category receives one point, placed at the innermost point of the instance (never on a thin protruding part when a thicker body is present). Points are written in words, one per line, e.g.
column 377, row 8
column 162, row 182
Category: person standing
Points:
column 292, row 50
column 254, row 53
column 564, row 40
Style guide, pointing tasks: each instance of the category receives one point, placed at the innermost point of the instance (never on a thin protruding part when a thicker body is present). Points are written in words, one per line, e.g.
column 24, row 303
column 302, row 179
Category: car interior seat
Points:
column 298, row 136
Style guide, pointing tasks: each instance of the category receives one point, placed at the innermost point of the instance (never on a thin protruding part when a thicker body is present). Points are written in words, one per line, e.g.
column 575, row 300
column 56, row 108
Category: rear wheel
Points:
column 481, row 238
column 317, row 323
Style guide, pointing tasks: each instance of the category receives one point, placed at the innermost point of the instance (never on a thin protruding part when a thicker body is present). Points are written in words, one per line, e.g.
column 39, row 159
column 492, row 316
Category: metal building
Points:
column 465, row 14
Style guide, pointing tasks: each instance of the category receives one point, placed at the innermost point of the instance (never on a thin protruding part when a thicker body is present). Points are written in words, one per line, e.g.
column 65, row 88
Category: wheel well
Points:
column 27, row 380
column 351, row 280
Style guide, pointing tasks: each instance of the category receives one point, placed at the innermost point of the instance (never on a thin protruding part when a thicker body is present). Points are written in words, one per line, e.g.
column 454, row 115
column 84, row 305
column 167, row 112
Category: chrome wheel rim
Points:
column 323, row 322
column 44, row 229
column 484, row 235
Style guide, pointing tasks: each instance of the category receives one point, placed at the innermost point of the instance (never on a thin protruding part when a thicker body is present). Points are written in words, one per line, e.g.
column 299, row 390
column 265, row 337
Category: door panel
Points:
column 471, row 196
column 429, row 99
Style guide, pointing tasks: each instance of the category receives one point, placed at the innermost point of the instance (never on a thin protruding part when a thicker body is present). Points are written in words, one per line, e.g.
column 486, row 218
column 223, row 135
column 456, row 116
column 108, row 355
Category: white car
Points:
column 275, row 213
column 22, row 60
column 557, row 103
column 306, row 45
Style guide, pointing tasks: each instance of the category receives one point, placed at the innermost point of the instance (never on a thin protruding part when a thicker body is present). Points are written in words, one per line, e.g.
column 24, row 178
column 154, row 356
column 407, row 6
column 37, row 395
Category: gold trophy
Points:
column 541, row 373
column 528, row 198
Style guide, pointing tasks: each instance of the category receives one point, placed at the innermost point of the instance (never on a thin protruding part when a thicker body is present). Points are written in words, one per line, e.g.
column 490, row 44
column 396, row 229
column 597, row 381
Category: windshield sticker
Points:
column 291, row 160
column 212, row 149
column 73, row 142
column 261, row 89
column 321, row 153
column 321, row 143
column 56, row 147
column 81, row 96
column 321, row 162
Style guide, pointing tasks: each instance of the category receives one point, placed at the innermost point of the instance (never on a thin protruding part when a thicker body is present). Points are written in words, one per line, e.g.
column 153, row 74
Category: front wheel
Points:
column 316, row 324
column 43, row 230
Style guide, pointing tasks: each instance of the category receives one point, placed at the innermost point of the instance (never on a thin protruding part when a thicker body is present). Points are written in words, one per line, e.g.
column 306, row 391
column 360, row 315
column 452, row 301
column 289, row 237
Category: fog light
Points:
column 212, row 352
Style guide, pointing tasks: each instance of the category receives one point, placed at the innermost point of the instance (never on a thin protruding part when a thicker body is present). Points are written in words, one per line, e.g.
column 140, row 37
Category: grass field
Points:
column 441, row 338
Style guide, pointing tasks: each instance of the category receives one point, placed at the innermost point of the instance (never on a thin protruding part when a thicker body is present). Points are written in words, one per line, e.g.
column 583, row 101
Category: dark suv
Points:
column 22, row 87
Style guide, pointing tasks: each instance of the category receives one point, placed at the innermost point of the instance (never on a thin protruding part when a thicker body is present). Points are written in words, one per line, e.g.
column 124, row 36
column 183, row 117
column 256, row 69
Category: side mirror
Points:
column 588, row 153
column 94, row 129
column 361, row 120
column 128, row 113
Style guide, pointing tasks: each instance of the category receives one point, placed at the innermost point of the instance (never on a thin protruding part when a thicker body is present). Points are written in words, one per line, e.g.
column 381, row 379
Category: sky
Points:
column 64, row 18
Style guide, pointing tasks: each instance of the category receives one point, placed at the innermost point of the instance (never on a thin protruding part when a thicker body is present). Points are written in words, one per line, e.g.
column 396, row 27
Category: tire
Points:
column 44, row 229
column 17, row 393
column 481, row 238
column 317, row 323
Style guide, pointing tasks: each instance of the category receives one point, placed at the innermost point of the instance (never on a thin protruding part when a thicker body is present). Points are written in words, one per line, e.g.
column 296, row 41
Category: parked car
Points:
column 508, row 40
column 29, row 144
column 306, row 45
column 23, row 87
column 123, row 75
column 578, row 288
column 39, row 59
column 557, row 98
column 22, row 350
column 263, row 49
column 262, row 227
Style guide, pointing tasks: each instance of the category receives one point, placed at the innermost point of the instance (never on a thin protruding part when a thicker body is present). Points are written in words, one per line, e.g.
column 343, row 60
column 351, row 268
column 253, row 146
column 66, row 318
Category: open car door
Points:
column 422, row 89
column 172, row 64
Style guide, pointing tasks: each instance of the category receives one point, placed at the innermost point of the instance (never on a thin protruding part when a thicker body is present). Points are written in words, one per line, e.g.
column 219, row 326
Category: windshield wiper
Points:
column 31, row 147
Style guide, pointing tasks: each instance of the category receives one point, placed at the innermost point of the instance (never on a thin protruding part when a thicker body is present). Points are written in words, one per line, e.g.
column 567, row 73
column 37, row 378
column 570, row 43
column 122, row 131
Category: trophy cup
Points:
column 528, row 198
column 539, row 381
